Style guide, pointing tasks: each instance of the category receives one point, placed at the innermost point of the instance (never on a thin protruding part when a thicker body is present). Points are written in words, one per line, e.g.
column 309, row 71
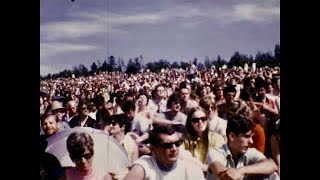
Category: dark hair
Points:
column 239, row 124
column 154, row 91
column 228, row 89
column 260, row 83
column 121, row 119
column 78, row 142
column 173, row 98
column 154, row 134
column 128, row 105
column 81, row 103
column 45, row 116
column 145, row 94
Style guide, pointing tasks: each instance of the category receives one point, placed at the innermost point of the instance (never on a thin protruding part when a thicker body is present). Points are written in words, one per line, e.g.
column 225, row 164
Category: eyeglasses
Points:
column 169, row 145
column 77, row 158
column 84, row 108
column 196, row 120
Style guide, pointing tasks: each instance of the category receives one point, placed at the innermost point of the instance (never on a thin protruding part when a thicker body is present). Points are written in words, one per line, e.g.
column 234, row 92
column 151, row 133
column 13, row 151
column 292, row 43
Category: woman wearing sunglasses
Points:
column 80, row 148
column 198, row 138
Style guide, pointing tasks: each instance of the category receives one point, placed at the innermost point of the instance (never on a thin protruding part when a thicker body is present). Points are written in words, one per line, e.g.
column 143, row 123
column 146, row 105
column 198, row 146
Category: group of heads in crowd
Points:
column 161, row 119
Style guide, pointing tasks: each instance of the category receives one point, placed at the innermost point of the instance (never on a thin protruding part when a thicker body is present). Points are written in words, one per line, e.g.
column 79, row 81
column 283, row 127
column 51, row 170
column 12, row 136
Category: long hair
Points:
column 191, row 135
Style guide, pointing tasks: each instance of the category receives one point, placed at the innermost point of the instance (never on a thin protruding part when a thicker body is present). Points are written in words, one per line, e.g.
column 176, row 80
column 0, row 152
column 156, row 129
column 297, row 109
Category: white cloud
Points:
column 68, row 30
column 245, row 12
column 49, row 49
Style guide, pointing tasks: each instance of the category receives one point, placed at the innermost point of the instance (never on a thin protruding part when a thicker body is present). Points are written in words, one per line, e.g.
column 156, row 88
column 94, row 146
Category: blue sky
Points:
column 73, row 33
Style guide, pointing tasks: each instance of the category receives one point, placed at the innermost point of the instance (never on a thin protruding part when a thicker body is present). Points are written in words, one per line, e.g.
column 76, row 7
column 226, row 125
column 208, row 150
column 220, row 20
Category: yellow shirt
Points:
column 197, row 147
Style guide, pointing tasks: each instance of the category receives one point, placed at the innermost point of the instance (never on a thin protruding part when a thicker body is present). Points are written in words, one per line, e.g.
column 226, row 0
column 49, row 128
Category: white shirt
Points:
column 183, row 170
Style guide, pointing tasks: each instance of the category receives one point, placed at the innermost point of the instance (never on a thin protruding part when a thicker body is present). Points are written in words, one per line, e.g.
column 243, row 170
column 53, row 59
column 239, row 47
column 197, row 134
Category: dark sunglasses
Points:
column 169, row 145
column 112, row 122
column 210, row 108
column 177, row 102
column 196, row 120
column 77, row 158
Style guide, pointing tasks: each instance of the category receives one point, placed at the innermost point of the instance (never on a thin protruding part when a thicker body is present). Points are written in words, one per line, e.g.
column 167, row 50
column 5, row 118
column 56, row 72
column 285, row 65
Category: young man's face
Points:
column 167, row 153
column 240, row 144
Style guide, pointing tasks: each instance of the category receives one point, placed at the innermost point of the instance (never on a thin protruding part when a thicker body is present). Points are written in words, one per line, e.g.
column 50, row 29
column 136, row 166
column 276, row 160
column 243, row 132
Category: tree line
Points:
column 134, row 65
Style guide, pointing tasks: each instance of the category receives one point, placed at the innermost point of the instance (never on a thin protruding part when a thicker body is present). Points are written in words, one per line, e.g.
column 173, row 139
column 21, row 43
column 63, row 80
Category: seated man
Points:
column 164, row 163
column 235, row 160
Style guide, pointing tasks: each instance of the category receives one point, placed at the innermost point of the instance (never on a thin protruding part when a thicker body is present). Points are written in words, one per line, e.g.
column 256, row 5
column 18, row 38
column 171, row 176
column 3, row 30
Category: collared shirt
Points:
column 224, row 156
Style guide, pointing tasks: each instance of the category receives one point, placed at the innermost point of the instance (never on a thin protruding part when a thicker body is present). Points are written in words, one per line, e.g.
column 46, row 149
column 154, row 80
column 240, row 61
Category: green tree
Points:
column 277, row 54
column 207, row 62
column 175, row 65
column 94, row 68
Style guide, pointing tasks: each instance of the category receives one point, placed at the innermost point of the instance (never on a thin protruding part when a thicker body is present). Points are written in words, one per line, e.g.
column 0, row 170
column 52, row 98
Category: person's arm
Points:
column 277, row 103
column 135, row 173
column 135, row 153
column 268, row 108
column 162, row 121
column 264, row 166
column 216, row 161
column 142, row 138
column 275, row 149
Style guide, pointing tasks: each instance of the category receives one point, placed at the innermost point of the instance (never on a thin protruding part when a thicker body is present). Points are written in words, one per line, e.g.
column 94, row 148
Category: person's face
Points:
column 219, row 91
column 167, row 153
column 240, row 144
column 72, row 109
column 130, row 114
column 204, row 91
column 50, row 126
column 114, row 128
column 59, row 114
column 210, row 111
column 84, row 110
column 262, row 92
column 270, row 89
column 142, row 101
column 175, row 106
column 230, row 97
column 199, row 121
column 184, row 94
column 160, row 92
column 83, row 162
column 109, row 109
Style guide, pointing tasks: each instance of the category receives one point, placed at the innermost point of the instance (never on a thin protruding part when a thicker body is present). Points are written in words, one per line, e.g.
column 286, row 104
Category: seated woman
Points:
column 216, row 124
column 198, row 138
column 80, row 148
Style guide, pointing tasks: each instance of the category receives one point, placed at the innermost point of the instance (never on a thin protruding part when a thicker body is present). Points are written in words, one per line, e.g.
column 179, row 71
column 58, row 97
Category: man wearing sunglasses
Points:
column 164, row 163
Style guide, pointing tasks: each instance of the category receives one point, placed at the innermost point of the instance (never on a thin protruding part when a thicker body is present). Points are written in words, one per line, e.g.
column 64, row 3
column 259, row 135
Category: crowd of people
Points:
column 218, row 123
